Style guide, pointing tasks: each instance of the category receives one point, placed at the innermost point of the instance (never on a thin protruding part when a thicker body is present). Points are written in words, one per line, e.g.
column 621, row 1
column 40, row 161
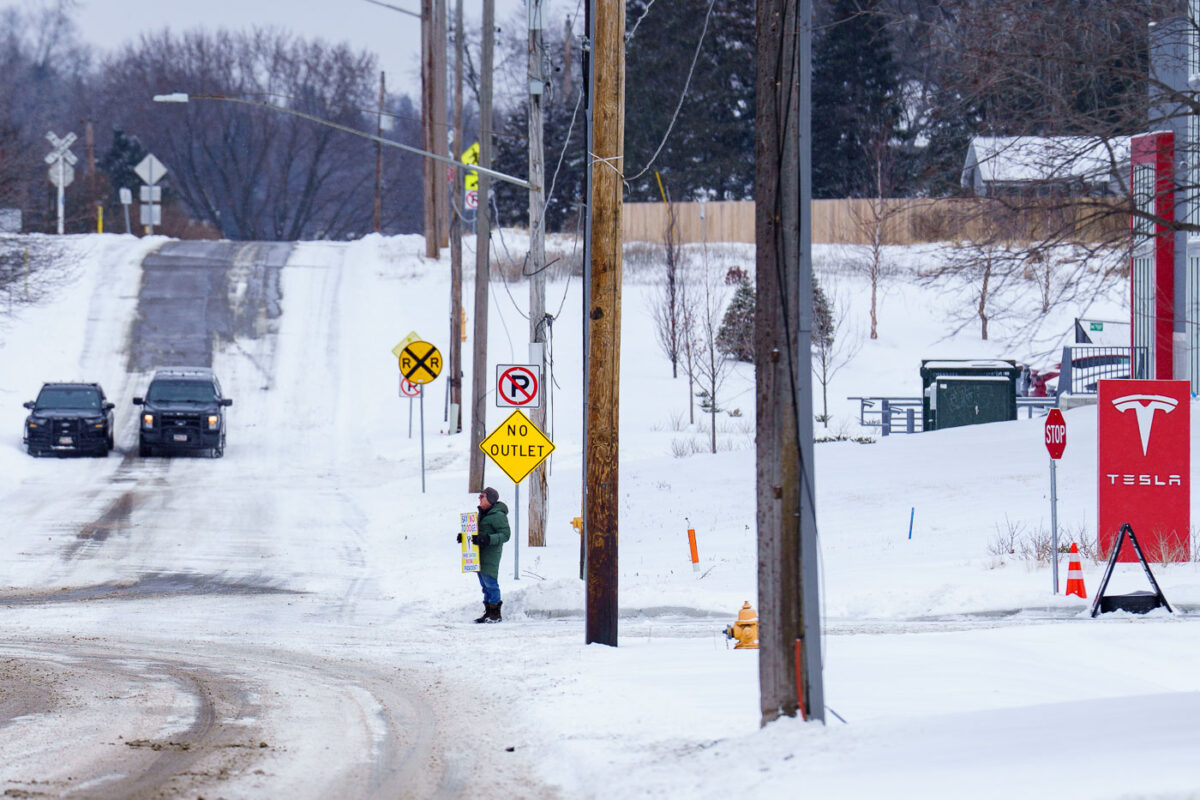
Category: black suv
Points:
column 183, row 410
column 69, row 418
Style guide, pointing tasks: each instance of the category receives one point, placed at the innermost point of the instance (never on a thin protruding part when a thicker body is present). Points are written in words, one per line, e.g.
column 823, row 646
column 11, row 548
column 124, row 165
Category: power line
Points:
column 683, row 95
column 633, row 30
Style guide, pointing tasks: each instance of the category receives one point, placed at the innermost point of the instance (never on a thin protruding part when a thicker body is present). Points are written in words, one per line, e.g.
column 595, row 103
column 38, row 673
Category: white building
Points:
column 1080, row 166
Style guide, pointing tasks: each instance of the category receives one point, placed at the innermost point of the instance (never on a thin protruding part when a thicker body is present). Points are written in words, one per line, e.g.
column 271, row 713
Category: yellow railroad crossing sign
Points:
column 517, row 446
column 420, row 362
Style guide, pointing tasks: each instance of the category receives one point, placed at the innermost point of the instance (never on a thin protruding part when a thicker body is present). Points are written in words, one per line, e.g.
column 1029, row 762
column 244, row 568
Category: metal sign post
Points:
column 517, row 446
column 62, row 169
column 409, row 390
column 420, row 363
column 516, row 531
column 151, row 171
column 1056, row 443
column 421, row 402
column 126, row 199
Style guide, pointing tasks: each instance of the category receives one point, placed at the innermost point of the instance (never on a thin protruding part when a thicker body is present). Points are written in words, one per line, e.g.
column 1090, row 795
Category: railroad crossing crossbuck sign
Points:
column 518, row 386
column 420, row 362
column 517, row 446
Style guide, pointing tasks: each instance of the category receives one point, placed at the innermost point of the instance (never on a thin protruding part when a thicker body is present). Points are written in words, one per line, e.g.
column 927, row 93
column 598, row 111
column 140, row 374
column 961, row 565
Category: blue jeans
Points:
column 491, row 588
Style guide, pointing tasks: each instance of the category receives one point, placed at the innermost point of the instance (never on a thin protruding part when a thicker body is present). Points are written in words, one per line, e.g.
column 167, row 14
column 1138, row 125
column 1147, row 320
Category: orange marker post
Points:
column 695, row 554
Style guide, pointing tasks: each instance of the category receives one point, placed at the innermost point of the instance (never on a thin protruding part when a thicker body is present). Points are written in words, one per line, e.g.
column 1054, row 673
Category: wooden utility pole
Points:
column 441, row 181
column 607, row 102
column 483, row 232
column 789, row 660
column 454, row 425
column 379, row 158
column 538, row 488
column 429, row 168
column 585, row 294
column 566, row 83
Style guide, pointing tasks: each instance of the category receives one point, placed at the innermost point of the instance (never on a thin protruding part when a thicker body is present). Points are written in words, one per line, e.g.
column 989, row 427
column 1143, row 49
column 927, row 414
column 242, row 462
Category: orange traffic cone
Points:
column 1075, row 574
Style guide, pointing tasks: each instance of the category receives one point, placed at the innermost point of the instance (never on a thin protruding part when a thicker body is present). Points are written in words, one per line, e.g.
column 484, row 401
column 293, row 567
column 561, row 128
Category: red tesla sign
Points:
column 1056, row 434
column 1144, row 465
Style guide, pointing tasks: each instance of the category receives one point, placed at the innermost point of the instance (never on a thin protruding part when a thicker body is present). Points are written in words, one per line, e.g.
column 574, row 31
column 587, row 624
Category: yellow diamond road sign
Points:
column 517, row 446
column 420, row 362
column 405, row 342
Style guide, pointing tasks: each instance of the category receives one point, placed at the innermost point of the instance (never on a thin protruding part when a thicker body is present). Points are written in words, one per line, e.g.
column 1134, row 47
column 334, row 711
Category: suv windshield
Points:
column 60, row 397
column 178, row 391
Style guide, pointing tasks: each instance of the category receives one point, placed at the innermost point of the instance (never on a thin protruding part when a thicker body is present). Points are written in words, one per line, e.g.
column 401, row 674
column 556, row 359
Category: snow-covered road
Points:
column 161, row 672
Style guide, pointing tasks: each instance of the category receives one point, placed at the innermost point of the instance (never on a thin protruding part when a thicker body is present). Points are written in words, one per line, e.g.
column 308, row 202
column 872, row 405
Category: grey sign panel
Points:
column 150, row 169
column 145, row 213
column 67, row 175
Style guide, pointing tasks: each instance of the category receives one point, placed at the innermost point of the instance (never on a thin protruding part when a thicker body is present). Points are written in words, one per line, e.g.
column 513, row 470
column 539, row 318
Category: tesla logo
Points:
column 1144, row 406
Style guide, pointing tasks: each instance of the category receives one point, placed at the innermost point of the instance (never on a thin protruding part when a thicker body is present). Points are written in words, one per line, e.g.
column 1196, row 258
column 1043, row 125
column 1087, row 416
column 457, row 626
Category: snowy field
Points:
column 953, row 669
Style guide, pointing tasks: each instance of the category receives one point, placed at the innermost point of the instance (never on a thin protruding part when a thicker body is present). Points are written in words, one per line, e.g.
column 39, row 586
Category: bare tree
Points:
column 43, row 73
column 832, row 346
column 874, row 217
column 984, row 270
column 668, row 307
column 255, row 173
column 1089, row 75
column 710, row 365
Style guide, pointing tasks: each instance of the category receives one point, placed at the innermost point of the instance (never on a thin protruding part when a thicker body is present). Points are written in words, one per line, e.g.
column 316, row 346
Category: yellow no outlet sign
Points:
column 517, row 446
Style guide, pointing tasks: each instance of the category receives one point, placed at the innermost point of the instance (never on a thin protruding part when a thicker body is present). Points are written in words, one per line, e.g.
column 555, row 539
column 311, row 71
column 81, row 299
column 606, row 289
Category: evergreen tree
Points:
column 560, row 140
column 125, row 153
column 855, row 89
column 824, row 327
column 735, row 338
column 711, row 143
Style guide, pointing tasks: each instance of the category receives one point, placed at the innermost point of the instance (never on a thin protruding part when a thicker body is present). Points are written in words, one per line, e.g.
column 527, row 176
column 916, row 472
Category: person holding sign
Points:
column 493, row 533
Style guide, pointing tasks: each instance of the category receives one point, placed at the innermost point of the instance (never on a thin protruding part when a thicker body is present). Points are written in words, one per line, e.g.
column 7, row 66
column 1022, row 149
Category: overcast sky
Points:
column 392, row 36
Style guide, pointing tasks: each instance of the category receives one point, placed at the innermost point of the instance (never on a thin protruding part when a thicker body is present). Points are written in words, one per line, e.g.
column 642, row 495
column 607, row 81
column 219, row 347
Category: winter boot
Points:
column 493, row 613
column 487, row 613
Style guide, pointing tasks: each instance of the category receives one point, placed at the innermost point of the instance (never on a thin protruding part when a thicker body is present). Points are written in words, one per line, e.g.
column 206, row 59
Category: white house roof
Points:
column 1024, row 159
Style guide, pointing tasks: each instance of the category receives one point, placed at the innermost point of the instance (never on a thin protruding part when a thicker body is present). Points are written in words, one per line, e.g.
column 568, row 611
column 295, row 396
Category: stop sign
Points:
column 1056, row 433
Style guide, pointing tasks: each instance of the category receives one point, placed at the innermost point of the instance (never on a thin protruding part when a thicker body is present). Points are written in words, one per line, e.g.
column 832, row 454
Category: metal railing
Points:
column 1042, row 405
column 1083, row 366
column 891, row 414
column 905, row 414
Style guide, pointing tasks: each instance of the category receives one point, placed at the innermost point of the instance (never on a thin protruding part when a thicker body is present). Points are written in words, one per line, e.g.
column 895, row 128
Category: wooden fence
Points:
column 903, row 221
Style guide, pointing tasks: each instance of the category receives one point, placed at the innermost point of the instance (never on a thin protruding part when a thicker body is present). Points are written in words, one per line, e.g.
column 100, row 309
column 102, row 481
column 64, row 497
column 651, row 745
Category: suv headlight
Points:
column 213, row 422
column 148, row 420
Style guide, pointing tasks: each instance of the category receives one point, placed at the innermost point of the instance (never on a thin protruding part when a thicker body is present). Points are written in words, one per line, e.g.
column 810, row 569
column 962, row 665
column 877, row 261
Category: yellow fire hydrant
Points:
column 745, row 630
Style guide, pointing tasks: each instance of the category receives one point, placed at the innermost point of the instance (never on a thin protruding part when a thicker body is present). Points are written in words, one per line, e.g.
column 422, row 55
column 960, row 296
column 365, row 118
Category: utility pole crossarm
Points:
column 183, row 97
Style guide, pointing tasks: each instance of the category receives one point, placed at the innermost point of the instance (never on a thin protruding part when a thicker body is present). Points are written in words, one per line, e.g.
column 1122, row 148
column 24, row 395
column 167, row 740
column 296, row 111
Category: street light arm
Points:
column 183, row 97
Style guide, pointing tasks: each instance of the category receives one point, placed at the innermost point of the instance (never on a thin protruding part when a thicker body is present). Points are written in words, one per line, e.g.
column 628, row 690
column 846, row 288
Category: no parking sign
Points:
column 518, row 386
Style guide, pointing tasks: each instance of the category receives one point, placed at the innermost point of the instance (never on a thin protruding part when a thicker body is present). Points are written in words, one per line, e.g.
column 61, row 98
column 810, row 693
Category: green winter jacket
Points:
column 493, row 522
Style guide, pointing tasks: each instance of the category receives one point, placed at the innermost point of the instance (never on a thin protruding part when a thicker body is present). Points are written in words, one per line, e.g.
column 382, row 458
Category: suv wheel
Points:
column 145, row 450
column 219, row 450
column 33, row 451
